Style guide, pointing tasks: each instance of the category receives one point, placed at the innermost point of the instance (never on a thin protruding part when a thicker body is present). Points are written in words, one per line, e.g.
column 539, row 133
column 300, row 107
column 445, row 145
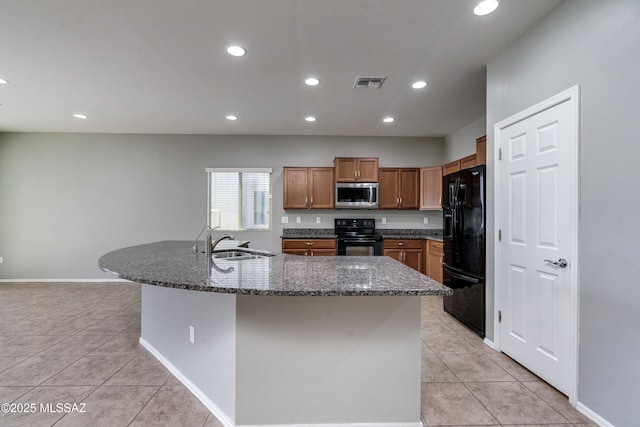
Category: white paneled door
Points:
column 537, row 202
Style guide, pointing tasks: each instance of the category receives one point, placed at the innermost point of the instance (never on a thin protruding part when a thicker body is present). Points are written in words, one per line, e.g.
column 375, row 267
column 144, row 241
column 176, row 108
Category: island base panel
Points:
column 277, row 361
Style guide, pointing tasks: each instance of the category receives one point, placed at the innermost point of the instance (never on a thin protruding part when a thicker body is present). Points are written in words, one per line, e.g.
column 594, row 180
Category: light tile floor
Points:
column 78, row 343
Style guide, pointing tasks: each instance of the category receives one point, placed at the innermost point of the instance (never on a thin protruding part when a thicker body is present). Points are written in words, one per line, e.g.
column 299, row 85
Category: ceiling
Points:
column 160, row 66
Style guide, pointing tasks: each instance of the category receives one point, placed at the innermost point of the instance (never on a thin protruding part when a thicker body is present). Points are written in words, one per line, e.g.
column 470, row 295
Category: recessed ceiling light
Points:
column 80, row 116
column 419, row 84
column 312, row 81
column 234, row 50
column 389, row 120
column 3, row 81
column 485, row 7
column 232, row 117
column 310, row 118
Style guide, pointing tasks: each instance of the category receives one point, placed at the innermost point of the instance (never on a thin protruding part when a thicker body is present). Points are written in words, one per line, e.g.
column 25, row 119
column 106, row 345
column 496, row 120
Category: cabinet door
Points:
column 296, row 186
column 322, row 252
column 413, row 259
column 367, row 170
column 345, row 169
column 431, row 188
column 300, row 252
column 388, row 188
column 321, row 188
column 408, row 188
column 394, row 253
column 434, row 260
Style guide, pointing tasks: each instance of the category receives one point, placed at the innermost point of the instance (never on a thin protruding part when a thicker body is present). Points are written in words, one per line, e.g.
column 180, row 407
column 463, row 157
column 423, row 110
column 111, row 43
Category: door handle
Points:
column 562, row 263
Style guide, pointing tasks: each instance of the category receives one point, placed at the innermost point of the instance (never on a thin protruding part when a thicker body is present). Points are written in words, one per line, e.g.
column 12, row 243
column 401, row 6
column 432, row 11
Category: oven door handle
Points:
column 358, row 240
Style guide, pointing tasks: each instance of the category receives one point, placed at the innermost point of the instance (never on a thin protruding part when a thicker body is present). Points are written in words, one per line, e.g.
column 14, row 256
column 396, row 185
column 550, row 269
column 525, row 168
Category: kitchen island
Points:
column 284, row 340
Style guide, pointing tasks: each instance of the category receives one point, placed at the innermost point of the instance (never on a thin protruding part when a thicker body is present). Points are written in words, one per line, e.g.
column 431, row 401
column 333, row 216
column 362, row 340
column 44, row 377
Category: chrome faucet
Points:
column 209, row 230
column 212, row 245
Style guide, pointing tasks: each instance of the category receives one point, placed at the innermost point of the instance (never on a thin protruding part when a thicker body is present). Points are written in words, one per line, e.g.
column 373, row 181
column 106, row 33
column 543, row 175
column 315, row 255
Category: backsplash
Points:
column 394, row 219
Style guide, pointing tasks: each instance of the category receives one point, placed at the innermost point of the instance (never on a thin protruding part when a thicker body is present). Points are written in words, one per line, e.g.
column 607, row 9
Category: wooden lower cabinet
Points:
column 309, row 247
column 407, row 251
column 433, row 259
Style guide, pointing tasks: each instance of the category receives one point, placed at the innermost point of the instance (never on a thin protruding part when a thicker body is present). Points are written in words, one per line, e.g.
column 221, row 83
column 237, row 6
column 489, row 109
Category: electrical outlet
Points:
column 192, row 334
column 285, row 220
column 1, row 260
column 426, row 220
column 298, row 220
column 318, row 220
column 384, row 220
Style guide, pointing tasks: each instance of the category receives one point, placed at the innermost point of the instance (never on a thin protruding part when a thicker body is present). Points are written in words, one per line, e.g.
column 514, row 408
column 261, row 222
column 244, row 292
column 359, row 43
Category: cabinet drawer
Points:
column 402, row 244
column 435, row 246
column 308, row 244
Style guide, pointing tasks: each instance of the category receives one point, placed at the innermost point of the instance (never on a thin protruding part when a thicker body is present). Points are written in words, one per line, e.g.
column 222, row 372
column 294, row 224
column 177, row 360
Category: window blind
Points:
column 239, row 199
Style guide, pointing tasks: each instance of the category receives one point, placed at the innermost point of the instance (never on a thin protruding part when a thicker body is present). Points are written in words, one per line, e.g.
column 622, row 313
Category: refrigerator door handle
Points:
column 456, row 275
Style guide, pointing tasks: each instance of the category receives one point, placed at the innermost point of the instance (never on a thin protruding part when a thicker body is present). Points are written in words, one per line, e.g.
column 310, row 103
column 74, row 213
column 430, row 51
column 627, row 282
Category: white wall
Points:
column 593, row 44
column 66, row 199
column 462, row 143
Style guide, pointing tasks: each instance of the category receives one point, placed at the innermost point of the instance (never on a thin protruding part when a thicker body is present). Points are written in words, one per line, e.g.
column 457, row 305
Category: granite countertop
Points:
column 387, row 233
column 417, row 233
column 173, row 264
column 308, row 233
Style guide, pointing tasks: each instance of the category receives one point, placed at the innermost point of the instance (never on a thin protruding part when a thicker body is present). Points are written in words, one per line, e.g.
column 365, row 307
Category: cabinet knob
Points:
column 400, row 243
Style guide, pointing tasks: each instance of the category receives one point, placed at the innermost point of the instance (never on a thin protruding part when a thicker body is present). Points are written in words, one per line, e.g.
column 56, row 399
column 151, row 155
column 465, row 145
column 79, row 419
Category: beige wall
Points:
column 65, row 199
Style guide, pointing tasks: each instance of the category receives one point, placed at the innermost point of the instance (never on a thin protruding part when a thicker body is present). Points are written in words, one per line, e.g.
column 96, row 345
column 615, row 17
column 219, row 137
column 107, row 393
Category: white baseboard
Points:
column 224, row 418
column 491, row 344
column 592, row 415
column 338, row 425
column 208, row 403
column 64, row 280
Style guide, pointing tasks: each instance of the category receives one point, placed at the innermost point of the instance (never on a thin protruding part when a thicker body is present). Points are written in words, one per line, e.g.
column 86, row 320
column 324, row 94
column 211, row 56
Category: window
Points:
column 239, row 199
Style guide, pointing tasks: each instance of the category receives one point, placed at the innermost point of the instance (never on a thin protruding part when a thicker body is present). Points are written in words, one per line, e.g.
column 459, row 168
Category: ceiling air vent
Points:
column 369, row 82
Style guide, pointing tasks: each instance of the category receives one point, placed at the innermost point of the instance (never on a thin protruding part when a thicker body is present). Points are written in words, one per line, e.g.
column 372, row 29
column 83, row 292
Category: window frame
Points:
column 269, row 171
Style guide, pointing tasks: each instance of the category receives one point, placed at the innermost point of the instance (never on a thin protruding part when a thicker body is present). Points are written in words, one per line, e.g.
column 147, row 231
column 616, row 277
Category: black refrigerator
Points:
column 463, row 266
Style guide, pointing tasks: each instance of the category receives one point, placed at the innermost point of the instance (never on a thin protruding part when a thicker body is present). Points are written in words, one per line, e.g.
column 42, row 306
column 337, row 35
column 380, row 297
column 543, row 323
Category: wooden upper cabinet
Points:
column 431, row 188
column 481, row 150
column 308, row 188
column 451, row 167
column 409, row 188
column 468, row 162
column 322, row 188
column 388, row 188
column 356, row 169
column 296, row 188
column 368, row 169
column 398, row 188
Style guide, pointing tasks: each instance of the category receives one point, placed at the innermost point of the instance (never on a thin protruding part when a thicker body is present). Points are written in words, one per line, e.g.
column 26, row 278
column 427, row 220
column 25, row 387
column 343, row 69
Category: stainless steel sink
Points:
column 238, row 254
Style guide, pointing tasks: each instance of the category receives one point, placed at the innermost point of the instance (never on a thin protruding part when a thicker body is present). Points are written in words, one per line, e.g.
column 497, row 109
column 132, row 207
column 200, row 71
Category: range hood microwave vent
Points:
column 369, row 82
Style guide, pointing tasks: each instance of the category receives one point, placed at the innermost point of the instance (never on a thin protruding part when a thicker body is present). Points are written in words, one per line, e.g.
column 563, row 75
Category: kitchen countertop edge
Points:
column 156, row 265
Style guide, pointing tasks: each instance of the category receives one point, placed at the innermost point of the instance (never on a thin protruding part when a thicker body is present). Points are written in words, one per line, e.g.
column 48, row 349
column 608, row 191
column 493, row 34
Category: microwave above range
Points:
column 357, row 195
